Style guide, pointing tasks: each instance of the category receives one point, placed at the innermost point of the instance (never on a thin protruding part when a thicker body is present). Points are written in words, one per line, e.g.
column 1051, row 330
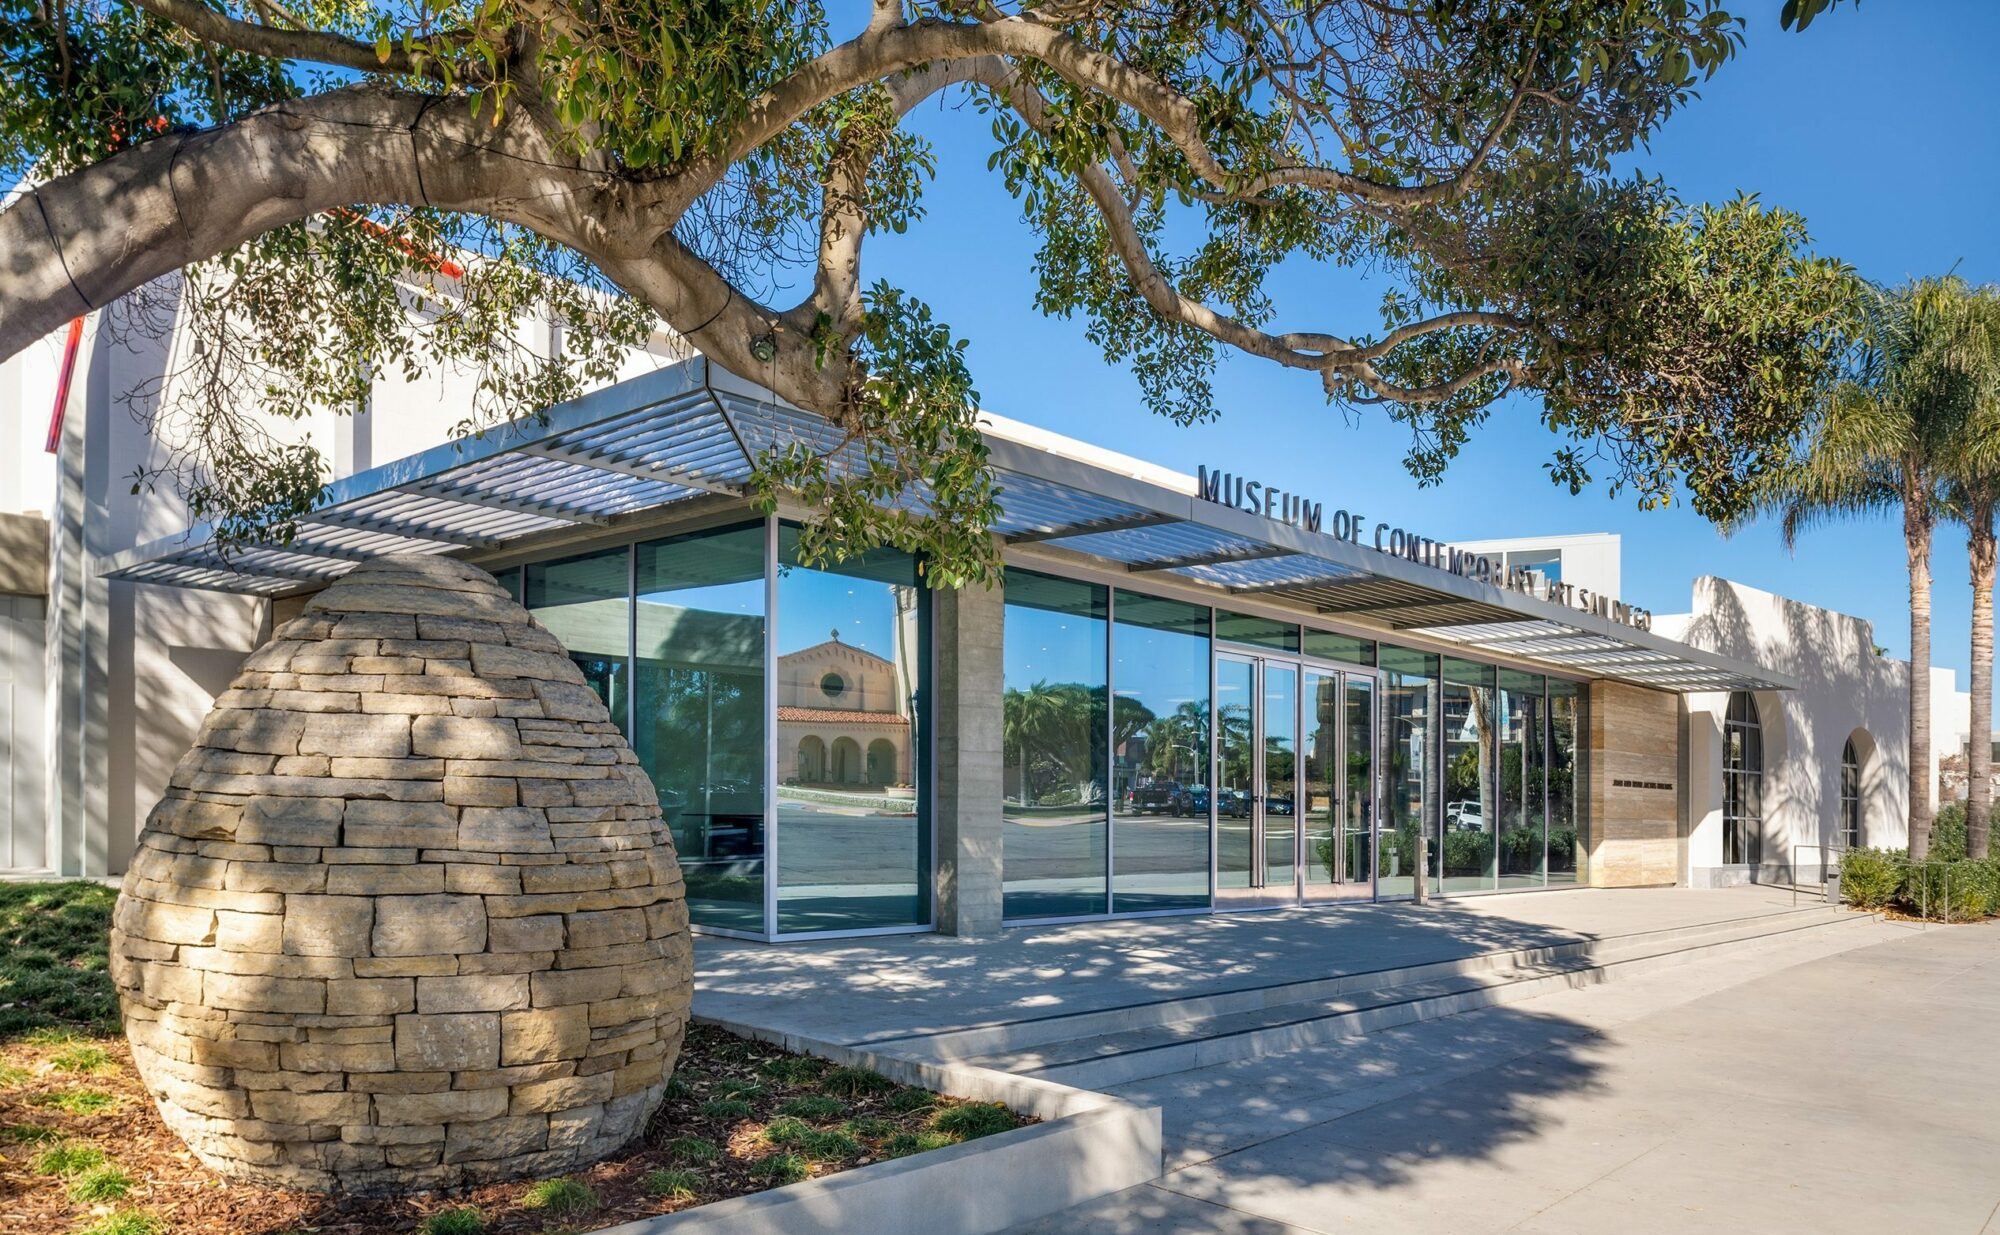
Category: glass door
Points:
column 1337, row 785
column 1255, row 796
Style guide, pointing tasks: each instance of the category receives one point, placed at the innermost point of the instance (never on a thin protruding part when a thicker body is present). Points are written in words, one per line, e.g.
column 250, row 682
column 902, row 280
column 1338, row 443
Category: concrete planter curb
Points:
column 1088, row 1145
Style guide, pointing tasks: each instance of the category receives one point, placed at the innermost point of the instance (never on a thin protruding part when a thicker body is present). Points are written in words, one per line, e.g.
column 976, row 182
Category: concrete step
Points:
column 1011, row 1036
column 1100, row 1049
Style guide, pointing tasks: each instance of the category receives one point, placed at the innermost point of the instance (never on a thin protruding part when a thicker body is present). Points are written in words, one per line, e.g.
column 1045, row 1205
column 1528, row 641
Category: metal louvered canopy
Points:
column 692, row 431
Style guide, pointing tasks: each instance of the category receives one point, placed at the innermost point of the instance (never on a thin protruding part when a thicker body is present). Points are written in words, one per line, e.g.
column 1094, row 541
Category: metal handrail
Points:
column 1825, row 854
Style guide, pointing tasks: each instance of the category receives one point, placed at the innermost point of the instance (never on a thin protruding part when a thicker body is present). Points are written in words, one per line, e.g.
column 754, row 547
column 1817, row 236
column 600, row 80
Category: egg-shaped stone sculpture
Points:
column 408, row 915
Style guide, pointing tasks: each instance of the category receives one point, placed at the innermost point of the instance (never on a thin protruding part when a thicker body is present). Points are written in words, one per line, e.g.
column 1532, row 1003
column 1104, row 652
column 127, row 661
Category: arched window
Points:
column 1742, row 782
column 1850, row 797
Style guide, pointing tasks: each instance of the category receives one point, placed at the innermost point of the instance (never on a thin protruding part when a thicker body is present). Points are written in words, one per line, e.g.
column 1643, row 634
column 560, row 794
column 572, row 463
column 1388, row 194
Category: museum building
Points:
column 1188, row 694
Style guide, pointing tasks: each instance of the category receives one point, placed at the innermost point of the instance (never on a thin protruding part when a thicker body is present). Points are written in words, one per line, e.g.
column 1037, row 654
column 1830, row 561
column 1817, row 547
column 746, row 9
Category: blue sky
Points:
column 1878, row 124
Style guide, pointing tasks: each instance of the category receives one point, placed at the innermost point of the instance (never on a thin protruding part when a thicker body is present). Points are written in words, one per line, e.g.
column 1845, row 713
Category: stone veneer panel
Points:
column 1632, row 805
column 408, row 916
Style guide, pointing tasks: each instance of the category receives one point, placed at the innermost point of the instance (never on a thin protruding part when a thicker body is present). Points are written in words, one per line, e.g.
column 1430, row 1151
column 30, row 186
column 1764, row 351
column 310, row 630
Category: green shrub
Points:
column 68, row 1159
column 1872, row 878
column 973, row 1120
column 1467, row 853
column 672, row 1185
column 562, row 1197
column 853, row 1082
column 1948, row 833
column 781, row 1169
column 464, row 1220
column 814, row 1106
column 1961, row 891
column 691, row 1149
column 1562, row 848
column 100, row 1184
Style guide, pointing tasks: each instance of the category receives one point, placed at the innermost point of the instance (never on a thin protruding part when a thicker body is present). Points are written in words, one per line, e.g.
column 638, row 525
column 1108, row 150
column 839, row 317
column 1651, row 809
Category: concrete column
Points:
column 966, row 718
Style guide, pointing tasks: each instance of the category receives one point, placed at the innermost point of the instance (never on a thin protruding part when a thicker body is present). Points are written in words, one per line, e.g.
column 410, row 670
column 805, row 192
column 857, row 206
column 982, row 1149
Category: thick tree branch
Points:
column 314, row 46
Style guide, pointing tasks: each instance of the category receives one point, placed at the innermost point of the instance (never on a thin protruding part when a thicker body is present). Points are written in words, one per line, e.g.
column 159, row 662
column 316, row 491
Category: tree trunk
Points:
column 1979, row 761
column 1917, row 541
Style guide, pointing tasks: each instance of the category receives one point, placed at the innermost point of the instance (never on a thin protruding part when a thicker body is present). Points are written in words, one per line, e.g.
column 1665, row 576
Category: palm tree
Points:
column 1972, row 463
column 1881, row 441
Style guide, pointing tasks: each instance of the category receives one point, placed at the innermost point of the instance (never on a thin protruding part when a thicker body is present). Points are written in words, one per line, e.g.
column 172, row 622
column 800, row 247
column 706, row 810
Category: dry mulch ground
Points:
column 82, row 1149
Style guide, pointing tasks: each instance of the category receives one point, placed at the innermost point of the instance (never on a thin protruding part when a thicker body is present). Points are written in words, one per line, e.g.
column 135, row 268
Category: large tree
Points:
column 317, row 171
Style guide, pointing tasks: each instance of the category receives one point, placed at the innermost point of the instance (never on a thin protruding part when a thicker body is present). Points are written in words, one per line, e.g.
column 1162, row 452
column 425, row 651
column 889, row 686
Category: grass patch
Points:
column 903, row 1144
column 464, row 1220
column 692, row 1149
column 781, row 1169
column 28, row 1134
column 908, row 1100
column 793, row 1069
column 54, row 968
column 973, row 1120
column 727, row 1108
column 561, row 1197
column 672, row 1185
column 870, row 1127
column 786, row 1131
column 68, row 1159
column 749, row 1091
column 854, row 1082
column 128, row 1222
column 76, row 1101
column 85, row 1059
column 813, row 1106
column 104, row 1183
column 12, row 1077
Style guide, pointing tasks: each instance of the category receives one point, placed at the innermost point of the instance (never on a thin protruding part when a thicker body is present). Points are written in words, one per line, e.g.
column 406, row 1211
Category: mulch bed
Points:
column 741, row 1117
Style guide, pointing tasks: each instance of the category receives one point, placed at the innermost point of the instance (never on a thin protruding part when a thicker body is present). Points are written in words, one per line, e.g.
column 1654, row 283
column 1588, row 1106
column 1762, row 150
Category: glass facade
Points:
column 586, row 602
column 698, row 729
column 1055, row 833
column 780, row 711
column 1409, row 775
column 1159, row 822
column 852, row 651
column 1523, row 818
column 1565, row 704
column 1470, row 811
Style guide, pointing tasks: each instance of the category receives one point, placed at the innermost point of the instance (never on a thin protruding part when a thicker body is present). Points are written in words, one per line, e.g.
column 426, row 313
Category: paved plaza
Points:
column 1812, row 1087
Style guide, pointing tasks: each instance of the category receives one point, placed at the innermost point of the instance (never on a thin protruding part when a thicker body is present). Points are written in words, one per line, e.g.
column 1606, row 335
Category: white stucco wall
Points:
column 1845, row 691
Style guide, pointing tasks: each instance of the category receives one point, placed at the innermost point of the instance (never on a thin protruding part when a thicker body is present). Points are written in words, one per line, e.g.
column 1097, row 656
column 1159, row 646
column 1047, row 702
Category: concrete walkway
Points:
column 855, row 992
column 1813, row 1085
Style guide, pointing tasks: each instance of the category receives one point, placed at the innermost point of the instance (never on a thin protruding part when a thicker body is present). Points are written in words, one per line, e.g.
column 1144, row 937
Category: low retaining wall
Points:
column 1088, row 1145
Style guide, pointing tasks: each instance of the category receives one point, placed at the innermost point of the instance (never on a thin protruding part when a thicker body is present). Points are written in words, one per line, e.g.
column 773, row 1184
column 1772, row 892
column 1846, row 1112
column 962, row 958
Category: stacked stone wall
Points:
column 408, row 915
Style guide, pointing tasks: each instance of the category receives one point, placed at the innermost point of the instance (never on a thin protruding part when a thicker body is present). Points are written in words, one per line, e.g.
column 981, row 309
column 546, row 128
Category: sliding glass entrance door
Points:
column 1255, row 797
column 1337, row 785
